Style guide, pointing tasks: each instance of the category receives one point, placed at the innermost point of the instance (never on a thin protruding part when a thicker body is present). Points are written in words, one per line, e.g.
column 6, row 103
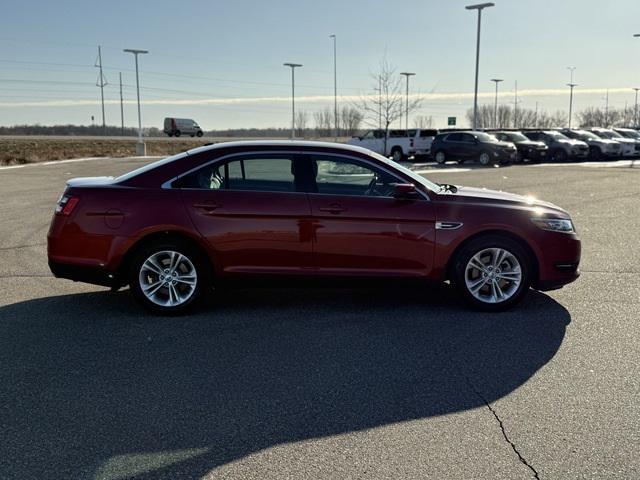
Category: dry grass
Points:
column 21, row 150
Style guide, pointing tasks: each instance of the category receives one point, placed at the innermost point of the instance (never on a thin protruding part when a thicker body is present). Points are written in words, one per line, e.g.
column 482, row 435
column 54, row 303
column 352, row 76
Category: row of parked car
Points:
column 503, row 146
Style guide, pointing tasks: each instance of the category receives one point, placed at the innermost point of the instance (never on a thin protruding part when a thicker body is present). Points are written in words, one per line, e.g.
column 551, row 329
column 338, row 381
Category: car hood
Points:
column 483, row 195
column 572, row 141
column 531, row 143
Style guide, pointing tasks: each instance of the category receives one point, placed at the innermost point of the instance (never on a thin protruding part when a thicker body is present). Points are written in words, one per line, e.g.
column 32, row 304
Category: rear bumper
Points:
column 83, row 273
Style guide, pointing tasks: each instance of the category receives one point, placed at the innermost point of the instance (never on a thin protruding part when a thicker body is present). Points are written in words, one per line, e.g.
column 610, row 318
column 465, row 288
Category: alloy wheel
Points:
column 168, row 278
column 493, row 275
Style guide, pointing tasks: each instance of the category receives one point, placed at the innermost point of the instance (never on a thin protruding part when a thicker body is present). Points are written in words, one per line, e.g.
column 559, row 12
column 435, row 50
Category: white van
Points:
column 400, row 143
column 181, row 126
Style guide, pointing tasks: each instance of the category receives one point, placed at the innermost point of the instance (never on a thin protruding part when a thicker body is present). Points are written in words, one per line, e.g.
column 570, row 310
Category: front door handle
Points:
column 206, row 206
column 334, row 208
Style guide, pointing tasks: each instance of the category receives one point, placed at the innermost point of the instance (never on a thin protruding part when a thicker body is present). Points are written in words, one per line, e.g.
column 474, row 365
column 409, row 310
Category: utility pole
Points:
column 380, row 102
column 101, row 82
column 141, row 148
column 121, row 108
column 495, row 108
column 515, row 107
column 293, row 97
column 606, row 109
column 479, row 7
column 635, row 111
column 407, row 74
column 335, row 87
column 571, row 86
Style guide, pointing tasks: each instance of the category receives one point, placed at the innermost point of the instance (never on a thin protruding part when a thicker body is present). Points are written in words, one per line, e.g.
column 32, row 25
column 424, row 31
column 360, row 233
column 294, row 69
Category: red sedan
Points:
column 174, row 228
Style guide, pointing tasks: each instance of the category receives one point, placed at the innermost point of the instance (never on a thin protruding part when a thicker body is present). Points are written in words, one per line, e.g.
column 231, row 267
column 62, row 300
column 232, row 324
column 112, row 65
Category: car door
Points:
column 253, row 212
column 359, row 228
column 469, row 146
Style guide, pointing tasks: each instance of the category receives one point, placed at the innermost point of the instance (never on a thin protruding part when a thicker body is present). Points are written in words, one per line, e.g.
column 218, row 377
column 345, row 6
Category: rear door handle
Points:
column 206, row 206
column 334, row 208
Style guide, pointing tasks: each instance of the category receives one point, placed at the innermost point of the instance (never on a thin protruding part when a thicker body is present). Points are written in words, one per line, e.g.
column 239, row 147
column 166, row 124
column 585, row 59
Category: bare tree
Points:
column 323, row 120
column 423, row 121
column 527, row 118
column 387, row 103
column 350, row 119
column 613, row 117
column 301, row 123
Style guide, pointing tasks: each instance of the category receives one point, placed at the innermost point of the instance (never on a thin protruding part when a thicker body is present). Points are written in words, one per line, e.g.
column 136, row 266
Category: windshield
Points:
column 609, row 134
column 630, row 133
column 485, row 137
column 516, row 136
column 434, row 187
column 584, row 135
column 556, row 136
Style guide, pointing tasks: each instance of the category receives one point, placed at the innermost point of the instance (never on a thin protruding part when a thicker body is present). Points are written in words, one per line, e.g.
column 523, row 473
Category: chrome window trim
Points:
column 167, row 184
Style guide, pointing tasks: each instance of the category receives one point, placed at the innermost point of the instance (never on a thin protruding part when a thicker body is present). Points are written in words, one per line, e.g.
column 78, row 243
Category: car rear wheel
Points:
column 396, row 154
column 177, row 133
column 441, row 157
column 167, row 278
column 484, row 158
column 492, row 272
column 199, row 134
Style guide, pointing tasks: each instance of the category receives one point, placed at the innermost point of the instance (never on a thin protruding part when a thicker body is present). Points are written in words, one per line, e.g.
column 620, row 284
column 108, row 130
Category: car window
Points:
column 368, row 135
column 264, row 174
column 343, row 176
column 467, row 138
column 428, row 133
column 454, row 137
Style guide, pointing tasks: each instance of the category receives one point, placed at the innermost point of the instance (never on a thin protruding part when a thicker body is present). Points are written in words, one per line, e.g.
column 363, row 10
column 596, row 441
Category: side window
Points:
column 428, row 133
column 454, row 137
column 368, row 135
column 467, row 138
column 264, row 174
column 502, row 137
column 345, row 176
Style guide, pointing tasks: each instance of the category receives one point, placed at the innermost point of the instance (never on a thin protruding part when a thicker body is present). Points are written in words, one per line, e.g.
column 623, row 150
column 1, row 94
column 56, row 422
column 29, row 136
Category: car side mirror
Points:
column 406, row 191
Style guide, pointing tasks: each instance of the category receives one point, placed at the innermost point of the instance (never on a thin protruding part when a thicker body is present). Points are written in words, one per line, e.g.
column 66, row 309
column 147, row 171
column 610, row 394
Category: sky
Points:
column 220, row 62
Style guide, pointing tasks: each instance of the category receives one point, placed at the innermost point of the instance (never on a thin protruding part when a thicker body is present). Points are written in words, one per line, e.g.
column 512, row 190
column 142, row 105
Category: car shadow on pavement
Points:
column 94, row 388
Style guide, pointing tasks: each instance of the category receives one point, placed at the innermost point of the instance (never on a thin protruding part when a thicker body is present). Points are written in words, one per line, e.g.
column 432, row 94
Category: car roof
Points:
column 289, row 144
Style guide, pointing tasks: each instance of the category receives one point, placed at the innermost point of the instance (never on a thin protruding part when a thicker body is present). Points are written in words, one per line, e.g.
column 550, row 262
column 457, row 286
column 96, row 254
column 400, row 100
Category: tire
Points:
column 595, row 154
column 396, row 154
column 199, row 134
column 484, row 158
column 483, row 251
column 170, row 134
column 192, row 135
column 559, row 155
column 177, row 133
column 440, row 157
column 145, row 270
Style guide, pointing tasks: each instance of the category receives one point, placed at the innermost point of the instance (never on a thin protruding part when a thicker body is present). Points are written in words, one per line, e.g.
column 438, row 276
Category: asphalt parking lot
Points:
column 305, row 383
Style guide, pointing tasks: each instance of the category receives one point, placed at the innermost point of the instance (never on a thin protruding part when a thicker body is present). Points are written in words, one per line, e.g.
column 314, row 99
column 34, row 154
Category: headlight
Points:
column 554, row 224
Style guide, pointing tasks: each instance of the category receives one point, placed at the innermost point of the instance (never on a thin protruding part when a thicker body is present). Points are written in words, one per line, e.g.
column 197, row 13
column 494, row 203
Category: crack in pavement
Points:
column 16, row 247
column 504, row 432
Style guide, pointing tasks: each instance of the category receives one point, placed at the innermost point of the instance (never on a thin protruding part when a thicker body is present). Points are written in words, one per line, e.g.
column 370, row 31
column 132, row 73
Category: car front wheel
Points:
column 484, row 158
column 441, row 157
column 492, row 273
column 167, row 278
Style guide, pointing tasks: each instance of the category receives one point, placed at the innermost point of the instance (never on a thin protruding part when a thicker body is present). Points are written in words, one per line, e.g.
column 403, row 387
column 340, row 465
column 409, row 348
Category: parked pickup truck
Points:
column 401, row 144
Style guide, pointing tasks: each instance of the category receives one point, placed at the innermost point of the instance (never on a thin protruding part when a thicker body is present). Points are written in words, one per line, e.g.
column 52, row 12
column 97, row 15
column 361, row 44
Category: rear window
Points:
column 428, row 133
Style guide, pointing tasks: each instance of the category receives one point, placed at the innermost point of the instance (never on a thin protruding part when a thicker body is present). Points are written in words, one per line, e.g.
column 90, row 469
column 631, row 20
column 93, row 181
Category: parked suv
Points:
column 400, row 143
column 630, row 147
column 599, row 148
column 480, row 146
column 527, row 149
column 628, row 133
column 174, row 127
column 561, row 148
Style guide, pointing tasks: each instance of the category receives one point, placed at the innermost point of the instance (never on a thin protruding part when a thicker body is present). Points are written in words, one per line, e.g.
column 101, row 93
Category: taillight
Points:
column 66, row 205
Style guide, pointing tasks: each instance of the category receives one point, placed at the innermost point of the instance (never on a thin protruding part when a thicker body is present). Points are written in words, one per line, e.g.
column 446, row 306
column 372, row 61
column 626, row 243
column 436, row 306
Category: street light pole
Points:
column 406, row 112
column 495, row 108
column 635, row 116
column 335, row 87
column 571, row 86
column 293, row 97
column 141, row 148
column 479, row 7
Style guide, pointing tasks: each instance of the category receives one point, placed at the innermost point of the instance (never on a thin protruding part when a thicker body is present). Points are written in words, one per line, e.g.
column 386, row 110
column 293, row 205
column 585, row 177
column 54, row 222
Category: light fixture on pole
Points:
column 571, row 86
column 335, row 88
column 293, row 97
column 479, row 7
column 495, row 108
column 141, row 148
column 406, row 112
column 635, row 116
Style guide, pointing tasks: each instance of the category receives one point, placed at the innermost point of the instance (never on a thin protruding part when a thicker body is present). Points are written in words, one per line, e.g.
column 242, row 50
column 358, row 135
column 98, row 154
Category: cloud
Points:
column 427, row 97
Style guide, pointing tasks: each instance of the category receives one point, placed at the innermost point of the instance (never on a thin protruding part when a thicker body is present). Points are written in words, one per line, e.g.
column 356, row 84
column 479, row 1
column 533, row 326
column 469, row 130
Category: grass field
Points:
column 21, row 150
